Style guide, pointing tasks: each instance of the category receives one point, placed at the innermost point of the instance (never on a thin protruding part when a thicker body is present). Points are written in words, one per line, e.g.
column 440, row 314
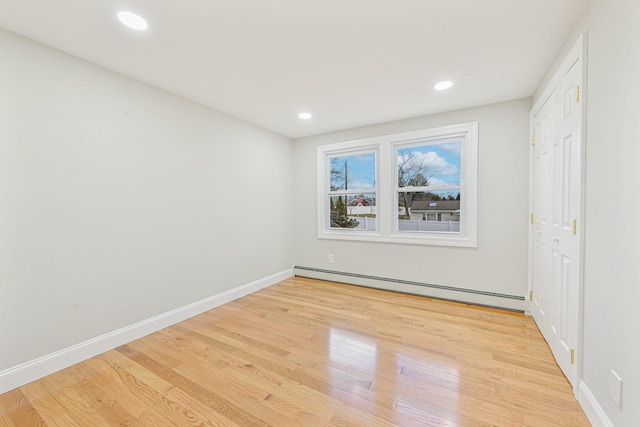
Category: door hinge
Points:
column 533, row 140
column 530, row 295
column 575, row 227
column 532, row 219
column 577, row 93
column 573, row 357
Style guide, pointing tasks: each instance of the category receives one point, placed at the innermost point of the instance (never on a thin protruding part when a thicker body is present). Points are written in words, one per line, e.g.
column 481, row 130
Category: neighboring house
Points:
column 361, row 206
column 435, row 210
column 362, row 201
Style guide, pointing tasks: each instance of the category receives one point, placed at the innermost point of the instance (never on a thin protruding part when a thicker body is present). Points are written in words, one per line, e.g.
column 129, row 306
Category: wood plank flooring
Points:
column 312, row 353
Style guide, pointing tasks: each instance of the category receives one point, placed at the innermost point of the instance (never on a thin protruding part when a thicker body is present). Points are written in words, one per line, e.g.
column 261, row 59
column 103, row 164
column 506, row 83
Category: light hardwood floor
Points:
column 312, row 353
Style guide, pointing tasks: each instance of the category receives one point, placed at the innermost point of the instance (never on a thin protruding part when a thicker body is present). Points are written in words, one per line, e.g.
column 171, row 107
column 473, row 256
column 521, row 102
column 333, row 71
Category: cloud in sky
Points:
column 368, row 157
column 452, row 147
column 436, row 182
column 436, row 164
column 359, row 183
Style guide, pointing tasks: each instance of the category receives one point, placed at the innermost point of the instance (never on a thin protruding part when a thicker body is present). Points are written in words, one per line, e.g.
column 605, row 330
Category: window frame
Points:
column 387, row 187
column 324, row 215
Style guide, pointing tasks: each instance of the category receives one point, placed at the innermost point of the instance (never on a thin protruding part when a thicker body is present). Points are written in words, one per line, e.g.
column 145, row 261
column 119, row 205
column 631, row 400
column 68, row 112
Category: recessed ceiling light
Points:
column 443, row 85
column 304, row 116
column 133, row 20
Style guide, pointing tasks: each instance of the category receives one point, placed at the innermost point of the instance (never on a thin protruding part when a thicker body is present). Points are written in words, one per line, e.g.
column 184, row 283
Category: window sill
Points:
column 433, row 239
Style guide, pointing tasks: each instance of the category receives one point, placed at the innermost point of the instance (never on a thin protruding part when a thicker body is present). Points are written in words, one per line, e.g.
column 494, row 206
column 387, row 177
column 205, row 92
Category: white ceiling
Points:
column 348, row 62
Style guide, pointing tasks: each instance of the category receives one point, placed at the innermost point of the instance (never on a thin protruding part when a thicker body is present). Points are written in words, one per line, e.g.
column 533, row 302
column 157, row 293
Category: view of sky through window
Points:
column 416, row 187
column 353, row 172
column 433, row 165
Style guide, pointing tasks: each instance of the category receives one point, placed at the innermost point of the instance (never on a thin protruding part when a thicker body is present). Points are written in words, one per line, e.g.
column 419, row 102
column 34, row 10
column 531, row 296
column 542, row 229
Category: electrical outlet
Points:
column 330, row 258
column 615, row 389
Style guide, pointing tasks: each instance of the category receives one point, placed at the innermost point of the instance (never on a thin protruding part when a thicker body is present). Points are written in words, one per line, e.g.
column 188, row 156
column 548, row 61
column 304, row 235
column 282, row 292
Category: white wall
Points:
column 499, row 264
column 611, row 278
column 119, row 201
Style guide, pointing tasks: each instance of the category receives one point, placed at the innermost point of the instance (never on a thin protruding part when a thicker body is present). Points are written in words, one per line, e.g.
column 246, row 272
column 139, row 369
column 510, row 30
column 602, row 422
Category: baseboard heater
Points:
column 449, row 293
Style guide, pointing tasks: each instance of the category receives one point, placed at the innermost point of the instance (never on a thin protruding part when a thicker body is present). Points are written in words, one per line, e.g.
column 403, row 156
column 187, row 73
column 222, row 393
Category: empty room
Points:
column 336, row 213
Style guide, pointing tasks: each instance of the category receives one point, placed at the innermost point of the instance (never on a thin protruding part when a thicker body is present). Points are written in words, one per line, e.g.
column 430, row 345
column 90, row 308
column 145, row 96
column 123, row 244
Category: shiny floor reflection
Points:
column 311, row 353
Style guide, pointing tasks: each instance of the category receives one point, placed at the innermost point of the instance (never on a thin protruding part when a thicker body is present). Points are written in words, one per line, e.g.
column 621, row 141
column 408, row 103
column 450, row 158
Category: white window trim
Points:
column 386, row 205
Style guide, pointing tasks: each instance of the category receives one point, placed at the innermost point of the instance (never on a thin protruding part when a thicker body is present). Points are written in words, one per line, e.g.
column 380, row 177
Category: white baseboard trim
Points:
column 470, row 296
column 591, row 407
column 25, row 373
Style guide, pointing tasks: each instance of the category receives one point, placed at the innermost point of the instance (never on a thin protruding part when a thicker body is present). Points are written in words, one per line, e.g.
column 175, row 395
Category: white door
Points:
column 556, row 206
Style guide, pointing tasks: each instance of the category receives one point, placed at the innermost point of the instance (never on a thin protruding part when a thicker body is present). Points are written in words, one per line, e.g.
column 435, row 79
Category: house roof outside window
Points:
column 436, row 206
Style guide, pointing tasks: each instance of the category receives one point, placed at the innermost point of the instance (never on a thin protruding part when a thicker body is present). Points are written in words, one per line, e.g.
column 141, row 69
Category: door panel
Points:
column 556, row 206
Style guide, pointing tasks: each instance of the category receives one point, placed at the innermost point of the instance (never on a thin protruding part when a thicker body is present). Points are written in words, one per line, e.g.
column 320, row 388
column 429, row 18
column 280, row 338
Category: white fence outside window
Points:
column 366, row 223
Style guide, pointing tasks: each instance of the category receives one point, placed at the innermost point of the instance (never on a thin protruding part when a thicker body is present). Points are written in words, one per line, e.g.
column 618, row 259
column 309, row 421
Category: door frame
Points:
column 579, row 50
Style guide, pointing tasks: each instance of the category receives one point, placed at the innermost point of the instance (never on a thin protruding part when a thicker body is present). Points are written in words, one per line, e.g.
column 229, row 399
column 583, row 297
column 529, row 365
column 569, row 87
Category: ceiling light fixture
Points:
column 304, row 116
column 133, row 20
column 443, row 85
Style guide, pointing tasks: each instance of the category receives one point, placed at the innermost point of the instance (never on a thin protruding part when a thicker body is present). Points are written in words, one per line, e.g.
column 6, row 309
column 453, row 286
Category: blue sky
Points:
column 361, row 170
column 442, row 162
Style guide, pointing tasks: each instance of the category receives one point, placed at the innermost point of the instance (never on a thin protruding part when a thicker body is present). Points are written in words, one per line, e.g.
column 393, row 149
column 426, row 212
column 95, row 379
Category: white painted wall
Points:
column 113, row 203
column 611, row 278
column 499, row 264
column 119, row 201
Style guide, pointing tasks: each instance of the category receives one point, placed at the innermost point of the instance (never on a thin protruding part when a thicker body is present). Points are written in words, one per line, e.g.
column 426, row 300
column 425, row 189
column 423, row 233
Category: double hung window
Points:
column 352, row 190
column 417, row 187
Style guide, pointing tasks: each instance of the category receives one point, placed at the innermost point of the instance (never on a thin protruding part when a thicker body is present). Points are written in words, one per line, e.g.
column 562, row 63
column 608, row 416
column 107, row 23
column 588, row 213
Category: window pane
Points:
column 432, row 165
column 423, row 167
column 355, row 172
column 353, row 211
column 437, row 210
